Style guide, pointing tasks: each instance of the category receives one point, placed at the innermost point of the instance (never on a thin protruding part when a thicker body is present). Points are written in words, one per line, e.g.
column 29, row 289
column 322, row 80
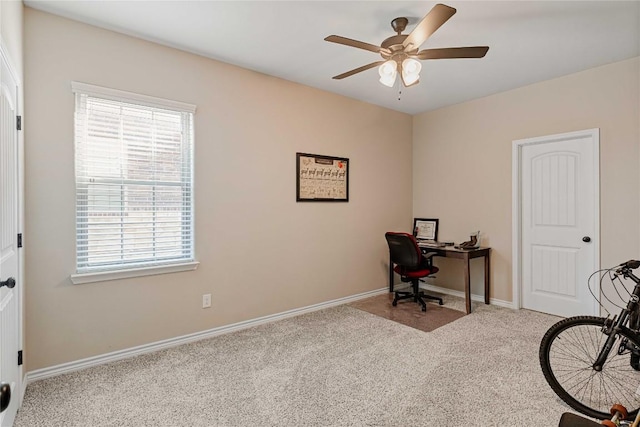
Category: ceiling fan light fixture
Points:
column 388, row 72
column 411, row 71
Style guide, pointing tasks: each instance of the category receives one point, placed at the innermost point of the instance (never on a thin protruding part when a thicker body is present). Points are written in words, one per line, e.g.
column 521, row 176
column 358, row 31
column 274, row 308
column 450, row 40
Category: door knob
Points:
column 5, row 396
column 586, row 239
column 9, row 283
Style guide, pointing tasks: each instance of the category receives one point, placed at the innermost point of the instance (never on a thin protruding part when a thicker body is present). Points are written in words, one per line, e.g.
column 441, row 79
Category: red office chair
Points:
column 411, row 265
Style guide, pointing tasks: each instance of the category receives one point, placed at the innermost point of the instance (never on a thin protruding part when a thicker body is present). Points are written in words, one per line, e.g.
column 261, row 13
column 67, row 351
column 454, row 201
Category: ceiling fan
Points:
column 400, row 52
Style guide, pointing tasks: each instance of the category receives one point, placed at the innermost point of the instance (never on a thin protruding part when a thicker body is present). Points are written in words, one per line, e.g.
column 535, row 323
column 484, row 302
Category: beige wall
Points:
column 260, row 251
column 248, row 225
column 462, row 163
column 11, row 12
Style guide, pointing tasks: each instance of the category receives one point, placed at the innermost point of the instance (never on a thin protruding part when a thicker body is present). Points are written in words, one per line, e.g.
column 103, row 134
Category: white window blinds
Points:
column 134, row 180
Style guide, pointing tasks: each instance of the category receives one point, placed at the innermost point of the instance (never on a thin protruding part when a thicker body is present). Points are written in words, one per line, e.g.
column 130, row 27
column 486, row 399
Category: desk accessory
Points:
column 425, row 229
column 431, row 244
column 473, row 243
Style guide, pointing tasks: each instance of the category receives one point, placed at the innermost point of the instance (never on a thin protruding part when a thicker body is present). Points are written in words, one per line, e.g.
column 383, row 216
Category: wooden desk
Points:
column 465, row 255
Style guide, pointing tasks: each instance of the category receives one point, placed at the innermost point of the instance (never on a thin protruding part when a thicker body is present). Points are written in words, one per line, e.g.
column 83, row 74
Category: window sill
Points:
column 102, row 276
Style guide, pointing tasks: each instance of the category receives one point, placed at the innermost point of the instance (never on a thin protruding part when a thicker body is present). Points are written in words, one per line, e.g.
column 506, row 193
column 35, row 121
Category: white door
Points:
column 10, row 376
column 560, row 222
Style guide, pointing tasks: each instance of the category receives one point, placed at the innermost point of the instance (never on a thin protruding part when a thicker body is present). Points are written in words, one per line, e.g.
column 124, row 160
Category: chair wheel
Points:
column 440, row 303
column 424, row 308
column 394, row 303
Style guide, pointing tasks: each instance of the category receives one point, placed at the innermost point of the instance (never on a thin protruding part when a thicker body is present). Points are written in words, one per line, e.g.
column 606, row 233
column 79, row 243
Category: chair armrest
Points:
column 429, row 255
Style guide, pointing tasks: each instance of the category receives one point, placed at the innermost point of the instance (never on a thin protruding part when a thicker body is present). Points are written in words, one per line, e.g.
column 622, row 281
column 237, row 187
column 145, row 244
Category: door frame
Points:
column 516, row 180
column 4, row 55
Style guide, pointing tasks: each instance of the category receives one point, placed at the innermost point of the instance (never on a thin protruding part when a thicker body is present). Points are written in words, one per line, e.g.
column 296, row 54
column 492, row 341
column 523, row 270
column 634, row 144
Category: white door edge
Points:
column 6, row 57
column 516, row 215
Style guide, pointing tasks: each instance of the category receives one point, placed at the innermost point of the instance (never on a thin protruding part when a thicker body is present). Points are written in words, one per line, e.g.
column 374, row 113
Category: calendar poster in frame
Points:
column 321, row 178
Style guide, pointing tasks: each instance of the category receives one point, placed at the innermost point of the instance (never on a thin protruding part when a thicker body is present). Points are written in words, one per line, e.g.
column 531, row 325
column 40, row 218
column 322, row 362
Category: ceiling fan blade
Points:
column 357, row 70
column 429, row 24
column 355, row 43
column 453, row 52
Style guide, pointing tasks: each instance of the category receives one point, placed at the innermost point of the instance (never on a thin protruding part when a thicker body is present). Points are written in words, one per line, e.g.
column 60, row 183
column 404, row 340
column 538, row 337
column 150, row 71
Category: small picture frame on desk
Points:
column 425, row 228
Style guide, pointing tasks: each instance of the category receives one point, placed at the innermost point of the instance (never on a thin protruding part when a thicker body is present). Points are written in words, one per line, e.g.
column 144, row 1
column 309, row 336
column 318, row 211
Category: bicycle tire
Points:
column 567, row 352
column 634, row 324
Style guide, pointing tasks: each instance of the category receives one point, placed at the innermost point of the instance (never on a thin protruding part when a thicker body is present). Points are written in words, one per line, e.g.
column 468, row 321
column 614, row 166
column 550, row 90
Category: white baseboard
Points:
column 474, row 297
column 64, row 368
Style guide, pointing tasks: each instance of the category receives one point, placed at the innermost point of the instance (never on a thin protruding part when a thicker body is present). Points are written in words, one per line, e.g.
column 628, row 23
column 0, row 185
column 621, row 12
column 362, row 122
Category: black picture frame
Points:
column 425, row 228
column 322, row 178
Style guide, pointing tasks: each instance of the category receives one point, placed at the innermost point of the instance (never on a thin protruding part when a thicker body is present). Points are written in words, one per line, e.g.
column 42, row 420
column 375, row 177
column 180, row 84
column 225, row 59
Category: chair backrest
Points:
column 404, row 249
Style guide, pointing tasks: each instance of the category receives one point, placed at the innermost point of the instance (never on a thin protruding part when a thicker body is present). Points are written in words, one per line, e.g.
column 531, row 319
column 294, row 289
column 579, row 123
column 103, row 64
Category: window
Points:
column 134, row 183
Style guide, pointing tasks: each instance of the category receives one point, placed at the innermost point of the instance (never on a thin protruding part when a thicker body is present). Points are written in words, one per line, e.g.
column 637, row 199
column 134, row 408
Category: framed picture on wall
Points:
column 425, row 228
column 321, row 178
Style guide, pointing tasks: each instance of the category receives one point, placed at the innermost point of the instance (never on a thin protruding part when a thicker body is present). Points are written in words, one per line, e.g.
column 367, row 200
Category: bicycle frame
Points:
column 631, row 310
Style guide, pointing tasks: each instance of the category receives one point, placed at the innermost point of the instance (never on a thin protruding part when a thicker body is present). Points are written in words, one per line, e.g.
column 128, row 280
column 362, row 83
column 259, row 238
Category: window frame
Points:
column 115, row 271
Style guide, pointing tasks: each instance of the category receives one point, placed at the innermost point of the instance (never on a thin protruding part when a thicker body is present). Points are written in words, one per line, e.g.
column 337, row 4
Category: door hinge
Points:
column 20, row 358
column 19, row 123
column 19, row 240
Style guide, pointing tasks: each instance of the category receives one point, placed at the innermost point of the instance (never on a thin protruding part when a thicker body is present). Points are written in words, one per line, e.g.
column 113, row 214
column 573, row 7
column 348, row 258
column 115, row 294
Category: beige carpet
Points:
column 408, row 312
column 335, row 367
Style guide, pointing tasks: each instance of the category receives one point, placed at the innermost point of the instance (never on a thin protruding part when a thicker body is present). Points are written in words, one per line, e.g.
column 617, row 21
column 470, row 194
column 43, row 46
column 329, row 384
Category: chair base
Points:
column 417, row 296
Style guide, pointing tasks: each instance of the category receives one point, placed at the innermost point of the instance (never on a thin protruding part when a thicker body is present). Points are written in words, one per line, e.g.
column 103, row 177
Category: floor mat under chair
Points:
column 408, row 312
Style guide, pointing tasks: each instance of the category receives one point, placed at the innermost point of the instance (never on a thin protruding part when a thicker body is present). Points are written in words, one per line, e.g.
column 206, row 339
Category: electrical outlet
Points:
column 206, row 300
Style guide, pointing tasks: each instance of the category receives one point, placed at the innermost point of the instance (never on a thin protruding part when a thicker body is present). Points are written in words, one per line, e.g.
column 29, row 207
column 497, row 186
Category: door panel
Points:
column 554, row 271
column 554, row 185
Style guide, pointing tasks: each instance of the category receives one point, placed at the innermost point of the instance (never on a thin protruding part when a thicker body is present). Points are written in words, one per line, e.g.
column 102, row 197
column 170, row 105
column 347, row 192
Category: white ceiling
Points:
column 530, row 41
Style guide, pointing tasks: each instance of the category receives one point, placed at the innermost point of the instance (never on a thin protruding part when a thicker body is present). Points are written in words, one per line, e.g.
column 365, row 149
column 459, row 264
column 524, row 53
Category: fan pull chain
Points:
column 399, row 89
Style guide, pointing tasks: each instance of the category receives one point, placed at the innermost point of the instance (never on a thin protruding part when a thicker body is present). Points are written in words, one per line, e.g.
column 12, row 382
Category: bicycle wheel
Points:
column 634, row 323
column 567, row 353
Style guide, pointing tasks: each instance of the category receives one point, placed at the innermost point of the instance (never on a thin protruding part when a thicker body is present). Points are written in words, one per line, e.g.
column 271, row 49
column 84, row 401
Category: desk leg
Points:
column 467, row 284
column 487, row 263
column 390, row 274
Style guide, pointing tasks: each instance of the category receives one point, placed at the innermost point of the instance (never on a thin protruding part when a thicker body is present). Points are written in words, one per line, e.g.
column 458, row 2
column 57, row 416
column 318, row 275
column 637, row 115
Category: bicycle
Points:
column 618, row 415
column 593, row 362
